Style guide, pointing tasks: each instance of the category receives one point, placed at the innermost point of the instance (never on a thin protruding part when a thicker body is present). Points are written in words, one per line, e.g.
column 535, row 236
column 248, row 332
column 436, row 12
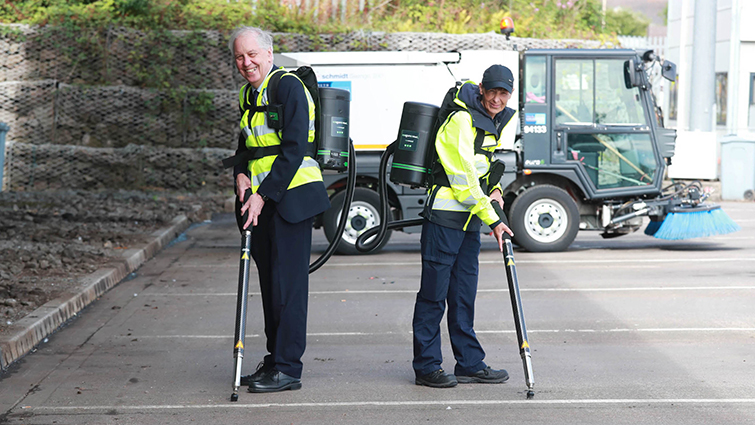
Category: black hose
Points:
column 350, row 185
column 361, row 245
column 400, row 224
column 382, row 229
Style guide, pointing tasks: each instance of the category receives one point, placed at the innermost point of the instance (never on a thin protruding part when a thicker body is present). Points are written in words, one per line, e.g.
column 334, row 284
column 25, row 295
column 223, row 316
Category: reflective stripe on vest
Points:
column 259, row 134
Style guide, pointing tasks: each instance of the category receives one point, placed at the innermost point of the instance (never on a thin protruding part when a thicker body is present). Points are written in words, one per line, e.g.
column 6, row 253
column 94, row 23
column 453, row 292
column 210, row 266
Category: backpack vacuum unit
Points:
column 333, row 146
column 413, row 155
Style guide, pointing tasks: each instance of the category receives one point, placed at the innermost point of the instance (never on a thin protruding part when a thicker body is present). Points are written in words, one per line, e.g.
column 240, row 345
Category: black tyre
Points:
column 363, row 214
column 544, row 219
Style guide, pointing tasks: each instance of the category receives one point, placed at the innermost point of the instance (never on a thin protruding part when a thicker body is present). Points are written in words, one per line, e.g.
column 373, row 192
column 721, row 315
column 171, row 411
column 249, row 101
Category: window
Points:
column 575, row 91
column 614, row 160
column 534, row 78
column 614, row 103
column 592, row 91
column 604, row 122
column 721, row 80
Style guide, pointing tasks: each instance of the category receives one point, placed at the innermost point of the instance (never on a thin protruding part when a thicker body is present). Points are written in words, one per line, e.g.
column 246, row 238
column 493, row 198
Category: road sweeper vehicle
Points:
column 587, row 149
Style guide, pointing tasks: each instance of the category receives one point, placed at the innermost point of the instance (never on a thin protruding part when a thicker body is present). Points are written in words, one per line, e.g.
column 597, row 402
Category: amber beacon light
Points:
column 507, row 26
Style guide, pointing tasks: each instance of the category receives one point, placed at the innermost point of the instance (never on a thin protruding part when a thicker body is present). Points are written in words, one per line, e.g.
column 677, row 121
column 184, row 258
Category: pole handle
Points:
column 241, row 219
column 502, row 216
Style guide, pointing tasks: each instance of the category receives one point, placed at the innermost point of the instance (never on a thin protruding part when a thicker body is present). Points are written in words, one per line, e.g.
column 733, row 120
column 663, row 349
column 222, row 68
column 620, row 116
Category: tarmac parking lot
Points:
column 632, row 330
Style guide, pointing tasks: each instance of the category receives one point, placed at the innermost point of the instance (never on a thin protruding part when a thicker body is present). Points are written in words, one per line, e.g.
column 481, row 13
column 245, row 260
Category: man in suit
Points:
column 287, row 192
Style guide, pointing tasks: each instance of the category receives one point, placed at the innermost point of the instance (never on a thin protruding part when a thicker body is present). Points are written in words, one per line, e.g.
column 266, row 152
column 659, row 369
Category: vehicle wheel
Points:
column 363, row 214
column 544, row 219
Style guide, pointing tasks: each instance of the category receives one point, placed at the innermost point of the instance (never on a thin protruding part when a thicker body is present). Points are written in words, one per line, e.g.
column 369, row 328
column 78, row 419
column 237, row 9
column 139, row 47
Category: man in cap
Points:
column 458, row 203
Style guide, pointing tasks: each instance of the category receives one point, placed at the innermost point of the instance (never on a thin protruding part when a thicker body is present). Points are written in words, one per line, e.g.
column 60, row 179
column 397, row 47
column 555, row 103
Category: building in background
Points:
column 734, row 59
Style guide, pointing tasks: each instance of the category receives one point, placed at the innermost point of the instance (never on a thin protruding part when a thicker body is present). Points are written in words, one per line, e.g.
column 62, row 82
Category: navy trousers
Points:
column 281, row 251
column 449, row 276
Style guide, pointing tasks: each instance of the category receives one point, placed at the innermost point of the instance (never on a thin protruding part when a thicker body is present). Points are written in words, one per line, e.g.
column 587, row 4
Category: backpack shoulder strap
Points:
column 272, row 85
column 478, row 141
column 308, row 79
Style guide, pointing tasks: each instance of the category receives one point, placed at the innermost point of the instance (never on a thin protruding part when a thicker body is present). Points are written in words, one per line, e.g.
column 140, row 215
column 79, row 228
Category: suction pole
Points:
column 516, row 305
column 241, row 303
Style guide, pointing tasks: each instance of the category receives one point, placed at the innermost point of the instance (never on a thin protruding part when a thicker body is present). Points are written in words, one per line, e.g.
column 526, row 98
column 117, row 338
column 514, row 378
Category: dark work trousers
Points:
column 449, row 275
column 281, row 251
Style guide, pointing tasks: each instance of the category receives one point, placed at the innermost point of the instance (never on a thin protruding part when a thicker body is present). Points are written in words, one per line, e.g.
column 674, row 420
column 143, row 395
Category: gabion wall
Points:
column 49, row 167
column 125, row 109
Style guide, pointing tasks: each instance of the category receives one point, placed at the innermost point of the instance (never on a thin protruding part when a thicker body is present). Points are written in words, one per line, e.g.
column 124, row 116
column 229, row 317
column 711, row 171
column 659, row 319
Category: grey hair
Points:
column 264, row 38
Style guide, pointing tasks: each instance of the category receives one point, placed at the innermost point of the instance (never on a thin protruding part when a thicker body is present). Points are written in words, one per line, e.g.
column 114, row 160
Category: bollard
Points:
column 3, row 130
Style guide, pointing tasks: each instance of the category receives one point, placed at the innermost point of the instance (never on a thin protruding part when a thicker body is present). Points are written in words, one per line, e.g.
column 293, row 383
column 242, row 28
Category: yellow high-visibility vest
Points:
column 259, row 134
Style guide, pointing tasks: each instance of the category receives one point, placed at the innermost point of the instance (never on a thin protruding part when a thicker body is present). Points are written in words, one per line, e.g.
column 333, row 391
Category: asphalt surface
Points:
column 632, row 330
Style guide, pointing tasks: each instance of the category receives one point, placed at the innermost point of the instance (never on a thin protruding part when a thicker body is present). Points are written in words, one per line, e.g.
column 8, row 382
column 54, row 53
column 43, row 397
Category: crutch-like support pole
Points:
column 516, row 305
column 241, row 303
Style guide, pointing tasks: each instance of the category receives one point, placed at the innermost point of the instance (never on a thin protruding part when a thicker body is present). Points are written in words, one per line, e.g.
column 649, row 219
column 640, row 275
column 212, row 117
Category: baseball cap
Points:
column 498, row 76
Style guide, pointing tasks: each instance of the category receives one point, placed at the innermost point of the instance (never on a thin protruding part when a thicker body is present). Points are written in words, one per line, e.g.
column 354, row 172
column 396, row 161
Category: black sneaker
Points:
column 485, row 376
column 437, row 379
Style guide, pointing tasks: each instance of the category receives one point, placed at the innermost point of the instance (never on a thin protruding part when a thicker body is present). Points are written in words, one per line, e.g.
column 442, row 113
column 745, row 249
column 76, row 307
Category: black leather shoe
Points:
column 262, row 369
column 485, row 376
column 437, row 379
column 274, row 381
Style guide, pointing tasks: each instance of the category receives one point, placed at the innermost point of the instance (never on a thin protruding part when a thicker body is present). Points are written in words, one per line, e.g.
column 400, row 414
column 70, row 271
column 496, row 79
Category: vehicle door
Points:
column 601, row 127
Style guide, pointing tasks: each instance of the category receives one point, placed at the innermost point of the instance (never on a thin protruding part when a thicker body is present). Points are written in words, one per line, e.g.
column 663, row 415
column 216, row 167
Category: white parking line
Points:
column 450, row 403
column 627, row 262
column 507, row 331
column 633, row 262
column 414, row 291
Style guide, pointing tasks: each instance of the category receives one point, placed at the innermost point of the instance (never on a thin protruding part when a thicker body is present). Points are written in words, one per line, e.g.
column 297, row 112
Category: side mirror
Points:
column 631, row 79
column 668, row 70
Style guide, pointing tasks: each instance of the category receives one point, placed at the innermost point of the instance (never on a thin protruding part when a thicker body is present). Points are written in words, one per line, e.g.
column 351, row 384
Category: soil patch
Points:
column 49, row 240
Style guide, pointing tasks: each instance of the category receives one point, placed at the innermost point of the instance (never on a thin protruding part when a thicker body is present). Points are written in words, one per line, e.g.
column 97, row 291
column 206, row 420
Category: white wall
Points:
column 746, row 66
column 674, row 53
column 747, row 30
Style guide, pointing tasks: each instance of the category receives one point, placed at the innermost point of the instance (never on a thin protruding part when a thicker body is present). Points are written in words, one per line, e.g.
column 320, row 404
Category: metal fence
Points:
column 126, row 109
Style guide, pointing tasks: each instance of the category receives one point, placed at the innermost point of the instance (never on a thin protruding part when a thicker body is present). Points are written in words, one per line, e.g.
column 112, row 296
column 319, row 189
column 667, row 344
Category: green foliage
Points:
column 448, row 16
column 533, row 18
column 664, row 14
column 220, row 15
column 12, row 34
column 132, row 7
column 559, row 19
column 626, row 22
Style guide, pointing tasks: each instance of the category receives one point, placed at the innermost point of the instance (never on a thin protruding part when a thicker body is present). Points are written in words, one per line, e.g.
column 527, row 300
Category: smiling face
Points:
column 494, row 100
column 252, row 61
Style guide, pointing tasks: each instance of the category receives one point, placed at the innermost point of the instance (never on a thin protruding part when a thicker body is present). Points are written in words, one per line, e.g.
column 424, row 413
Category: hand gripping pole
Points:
column 516, row 305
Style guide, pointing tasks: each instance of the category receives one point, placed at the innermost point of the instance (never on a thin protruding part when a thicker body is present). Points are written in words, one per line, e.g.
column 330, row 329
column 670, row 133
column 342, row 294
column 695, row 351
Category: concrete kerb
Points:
column 35, row 327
